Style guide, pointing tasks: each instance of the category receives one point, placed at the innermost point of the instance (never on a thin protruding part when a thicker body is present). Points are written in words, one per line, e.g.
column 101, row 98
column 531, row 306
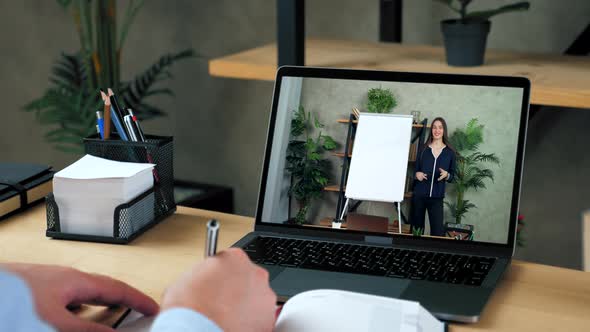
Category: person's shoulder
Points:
column 449, row 151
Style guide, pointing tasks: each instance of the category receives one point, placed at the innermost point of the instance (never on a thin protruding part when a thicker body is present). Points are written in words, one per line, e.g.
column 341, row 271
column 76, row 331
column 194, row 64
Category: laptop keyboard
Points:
column 378, row 261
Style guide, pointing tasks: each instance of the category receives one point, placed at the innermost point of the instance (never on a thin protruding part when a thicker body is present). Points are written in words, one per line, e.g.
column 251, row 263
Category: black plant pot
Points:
column 465, row 42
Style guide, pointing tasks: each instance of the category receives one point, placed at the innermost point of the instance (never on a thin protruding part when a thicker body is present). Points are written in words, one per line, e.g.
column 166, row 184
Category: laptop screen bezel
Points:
column 370, row 75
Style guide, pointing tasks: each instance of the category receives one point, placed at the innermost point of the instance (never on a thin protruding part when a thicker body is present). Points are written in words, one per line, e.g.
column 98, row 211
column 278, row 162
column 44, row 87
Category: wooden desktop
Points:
column 532, row 297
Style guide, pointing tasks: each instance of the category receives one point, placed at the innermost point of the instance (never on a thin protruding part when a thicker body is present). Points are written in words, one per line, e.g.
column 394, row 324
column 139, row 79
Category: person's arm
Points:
column 452, row 167
column 183, row 320
column 418, row 163
column 17, row 312
column 53, row 289
column 418, row 169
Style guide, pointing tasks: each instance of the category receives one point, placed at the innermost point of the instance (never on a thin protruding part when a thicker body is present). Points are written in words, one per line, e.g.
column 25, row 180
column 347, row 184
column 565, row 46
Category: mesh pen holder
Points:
column 133, row 218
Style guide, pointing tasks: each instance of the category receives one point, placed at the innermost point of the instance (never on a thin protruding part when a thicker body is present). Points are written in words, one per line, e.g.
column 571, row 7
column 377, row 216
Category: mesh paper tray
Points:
column 129, row 220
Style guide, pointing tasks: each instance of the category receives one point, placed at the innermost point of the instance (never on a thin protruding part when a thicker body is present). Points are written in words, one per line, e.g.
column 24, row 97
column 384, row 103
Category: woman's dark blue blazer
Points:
column 426, row 163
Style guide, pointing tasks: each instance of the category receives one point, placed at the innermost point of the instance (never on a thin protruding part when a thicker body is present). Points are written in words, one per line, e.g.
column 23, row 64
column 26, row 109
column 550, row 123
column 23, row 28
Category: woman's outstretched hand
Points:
column 421, row 176
column 443, row 174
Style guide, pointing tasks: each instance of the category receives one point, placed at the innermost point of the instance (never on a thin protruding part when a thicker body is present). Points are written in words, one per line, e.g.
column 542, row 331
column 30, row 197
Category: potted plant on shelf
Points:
column 380, row 100
column 68, row 106
column 465, row 38
column 310, row 172
column 470, row 172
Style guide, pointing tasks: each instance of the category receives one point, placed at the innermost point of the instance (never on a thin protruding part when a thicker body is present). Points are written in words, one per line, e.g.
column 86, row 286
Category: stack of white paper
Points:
column 88, row 191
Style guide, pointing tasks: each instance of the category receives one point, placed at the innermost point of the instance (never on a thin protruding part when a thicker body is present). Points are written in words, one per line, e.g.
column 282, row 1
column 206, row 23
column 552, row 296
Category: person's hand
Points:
column 443, row 174
column 229, row 289
column 56, row 288
column 421, row 176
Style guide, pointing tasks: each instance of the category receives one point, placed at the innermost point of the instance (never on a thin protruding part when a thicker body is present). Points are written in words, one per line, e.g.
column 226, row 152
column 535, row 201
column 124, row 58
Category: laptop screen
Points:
column 461, row 148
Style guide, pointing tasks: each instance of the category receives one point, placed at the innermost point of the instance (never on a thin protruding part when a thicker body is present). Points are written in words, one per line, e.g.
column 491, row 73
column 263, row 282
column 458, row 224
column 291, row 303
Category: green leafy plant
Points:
column 69, row 105
column 380, row 100
column 417, row 231
column 469, row 173
column 310, row 172
column 460, row 7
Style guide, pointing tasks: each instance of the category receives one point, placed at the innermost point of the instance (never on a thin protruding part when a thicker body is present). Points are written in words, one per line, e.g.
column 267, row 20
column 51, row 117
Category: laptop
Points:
column 295, row 236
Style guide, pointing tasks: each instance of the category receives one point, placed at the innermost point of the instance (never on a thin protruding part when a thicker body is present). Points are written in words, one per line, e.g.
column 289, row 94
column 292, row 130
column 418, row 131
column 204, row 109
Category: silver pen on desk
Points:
column 211, row 241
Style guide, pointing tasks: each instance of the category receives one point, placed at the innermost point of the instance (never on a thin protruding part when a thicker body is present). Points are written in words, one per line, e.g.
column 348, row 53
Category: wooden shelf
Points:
column 336, row 188
column 333, row 187
column 557, row 80
column 391, row 228
column 357, row 121
column 341, row 154
column 347, row 121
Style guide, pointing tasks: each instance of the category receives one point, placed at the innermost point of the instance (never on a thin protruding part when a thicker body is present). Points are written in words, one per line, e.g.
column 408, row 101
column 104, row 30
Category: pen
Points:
column 117, row 116
column 107, row 115
column 140, row 137
column 129, row 125
column 137, row 127
column 211, row 241
column 100, row 124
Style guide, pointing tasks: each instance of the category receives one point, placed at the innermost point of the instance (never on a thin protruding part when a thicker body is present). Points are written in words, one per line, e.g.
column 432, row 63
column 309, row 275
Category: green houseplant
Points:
column 465, row 37
column 69, row 104
column 380, row 100
column 470, row 173
column 310, row 172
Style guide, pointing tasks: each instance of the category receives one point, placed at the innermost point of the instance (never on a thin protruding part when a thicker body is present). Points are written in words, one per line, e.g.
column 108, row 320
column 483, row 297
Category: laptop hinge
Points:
column 378, row 239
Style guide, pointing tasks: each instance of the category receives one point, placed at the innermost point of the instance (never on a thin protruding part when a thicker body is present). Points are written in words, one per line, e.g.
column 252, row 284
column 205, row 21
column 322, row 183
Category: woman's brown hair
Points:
column 445, row 137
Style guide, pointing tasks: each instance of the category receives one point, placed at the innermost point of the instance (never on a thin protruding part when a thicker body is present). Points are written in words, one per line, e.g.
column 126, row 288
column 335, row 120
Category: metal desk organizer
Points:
column 135, row 217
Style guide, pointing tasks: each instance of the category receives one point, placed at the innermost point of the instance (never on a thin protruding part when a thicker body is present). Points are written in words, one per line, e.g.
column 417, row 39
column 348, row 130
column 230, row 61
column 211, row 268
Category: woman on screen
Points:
column 435, row 166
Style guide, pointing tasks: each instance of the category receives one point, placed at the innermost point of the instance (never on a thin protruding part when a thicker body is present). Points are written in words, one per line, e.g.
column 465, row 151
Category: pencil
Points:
column 107, row 115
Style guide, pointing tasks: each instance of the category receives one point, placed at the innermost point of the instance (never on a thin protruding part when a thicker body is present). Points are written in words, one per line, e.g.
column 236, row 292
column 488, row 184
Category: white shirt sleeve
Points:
column 17, row 312
column 183, row 320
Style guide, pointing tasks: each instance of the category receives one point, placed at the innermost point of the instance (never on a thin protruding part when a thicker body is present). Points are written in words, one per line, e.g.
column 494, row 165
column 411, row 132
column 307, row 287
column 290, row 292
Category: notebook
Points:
column 334, row 310
column 21, row 185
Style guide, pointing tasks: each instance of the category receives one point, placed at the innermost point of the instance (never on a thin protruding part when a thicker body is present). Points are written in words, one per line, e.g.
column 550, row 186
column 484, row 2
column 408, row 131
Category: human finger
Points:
column 268, row 312
column 65, row 321
column 235, row 253
column 262, row 273
column 104, row 290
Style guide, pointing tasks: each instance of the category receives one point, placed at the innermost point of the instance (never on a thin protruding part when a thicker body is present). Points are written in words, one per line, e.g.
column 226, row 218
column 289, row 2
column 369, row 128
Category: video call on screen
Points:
column 461, row 159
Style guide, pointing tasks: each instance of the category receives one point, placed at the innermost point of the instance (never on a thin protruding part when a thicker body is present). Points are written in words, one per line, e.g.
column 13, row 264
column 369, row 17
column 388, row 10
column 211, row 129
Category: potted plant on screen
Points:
column 470, row 173
column 309, row 170
column 380, row 100
column 465, row 37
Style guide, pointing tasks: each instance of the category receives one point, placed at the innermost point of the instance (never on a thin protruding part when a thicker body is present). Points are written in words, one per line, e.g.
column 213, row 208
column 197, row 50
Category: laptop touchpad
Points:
column 293, row 281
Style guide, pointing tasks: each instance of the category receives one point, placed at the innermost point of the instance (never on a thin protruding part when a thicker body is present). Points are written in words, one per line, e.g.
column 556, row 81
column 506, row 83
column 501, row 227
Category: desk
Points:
column 532, row 297
column 557, row 80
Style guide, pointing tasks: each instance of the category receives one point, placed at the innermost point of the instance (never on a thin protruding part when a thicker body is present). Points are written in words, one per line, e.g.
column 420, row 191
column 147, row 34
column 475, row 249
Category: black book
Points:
column 22, row 185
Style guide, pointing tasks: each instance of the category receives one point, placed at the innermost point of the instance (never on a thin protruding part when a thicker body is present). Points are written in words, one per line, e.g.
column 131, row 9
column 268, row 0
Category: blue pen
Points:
column 118, row 124
column 100, row 124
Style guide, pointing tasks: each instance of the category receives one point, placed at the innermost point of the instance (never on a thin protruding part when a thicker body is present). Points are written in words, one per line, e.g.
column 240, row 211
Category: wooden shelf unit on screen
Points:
column 417, row 141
